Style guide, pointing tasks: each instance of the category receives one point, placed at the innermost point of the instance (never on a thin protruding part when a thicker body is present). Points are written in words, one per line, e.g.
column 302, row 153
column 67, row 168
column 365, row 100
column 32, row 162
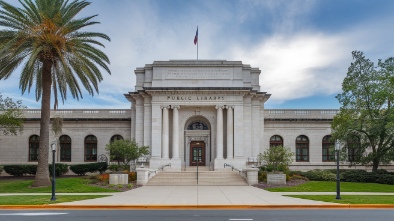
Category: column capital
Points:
column 229, row 107
column 219, row 106
column 164, row 106
column 175, row 107
column 139, row 100
column 147, row 98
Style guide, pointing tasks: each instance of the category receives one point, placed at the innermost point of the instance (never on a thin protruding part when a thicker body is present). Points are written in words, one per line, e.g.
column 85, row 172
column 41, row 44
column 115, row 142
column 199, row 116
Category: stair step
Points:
column 217, row 178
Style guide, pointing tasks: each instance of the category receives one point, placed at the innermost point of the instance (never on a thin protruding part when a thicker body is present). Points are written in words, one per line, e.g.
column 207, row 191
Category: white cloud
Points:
column 297, row 66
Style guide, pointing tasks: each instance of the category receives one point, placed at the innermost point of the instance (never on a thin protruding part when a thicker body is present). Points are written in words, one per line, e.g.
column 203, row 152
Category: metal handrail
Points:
column 233, row 168
column 160, row 168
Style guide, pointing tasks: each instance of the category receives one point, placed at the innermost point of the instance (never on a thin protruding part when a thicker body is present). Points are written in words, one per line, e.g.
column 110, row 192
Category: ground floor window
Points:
column 328, row 150
column 302, row 149
column 65, row 148
column 91, row 148
column 276, row 141
column 34, row 144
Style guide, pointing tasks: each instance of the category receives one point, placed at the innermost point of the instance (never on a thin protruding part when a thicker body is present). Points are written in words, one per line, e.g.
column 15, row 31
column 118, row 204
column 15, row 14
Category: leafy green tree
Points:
column 11, row 116
column 126, row 151
column 56, row 54
column 277, row 157
column 367, row 113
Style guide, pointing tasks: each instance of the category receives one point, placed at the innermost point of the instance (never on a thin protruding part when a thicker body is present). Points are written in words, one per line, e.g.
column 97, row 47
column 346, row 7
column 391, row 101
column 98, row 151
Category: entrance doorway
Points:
column 197, row 153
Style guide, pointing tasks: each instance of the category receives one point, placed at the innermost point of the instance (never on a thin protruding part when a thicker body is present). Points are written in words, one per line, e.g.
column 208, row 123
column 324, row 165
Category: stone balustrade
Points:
column 300, row 114
column 82, row 113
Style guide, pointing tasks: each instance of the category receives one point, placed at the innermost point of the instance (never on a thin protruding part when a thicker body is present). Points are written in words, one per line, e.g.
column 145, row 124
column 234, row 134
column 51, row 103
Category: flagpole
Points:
column 197, row 43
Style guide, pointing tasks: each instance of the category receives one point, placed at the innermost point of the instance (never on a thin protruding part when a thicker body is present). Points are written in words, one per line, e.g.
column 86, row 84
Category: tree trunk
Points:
column 42, row 175
column 375, row 164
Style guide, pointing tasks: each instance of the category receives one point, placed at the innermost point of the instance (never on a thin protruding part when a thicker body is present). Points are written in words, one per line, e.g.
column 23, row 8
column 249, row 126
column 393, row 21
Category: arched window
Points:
column 302, row 149
column 90, row 148
column 113, row 138
column 276, row 140
column 34, row 144
column 197, row 125
column 116, row 137
column 65, row 148
column 328, row 150
column 353, row 149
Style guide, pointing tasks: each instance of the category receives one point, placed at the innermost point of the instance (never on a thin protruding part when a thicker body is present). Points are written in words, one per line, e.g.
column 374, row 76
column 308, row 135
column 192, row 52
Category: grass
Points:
column 41, row 200
column 330, row 186
column 63, row 185
column 349, row 199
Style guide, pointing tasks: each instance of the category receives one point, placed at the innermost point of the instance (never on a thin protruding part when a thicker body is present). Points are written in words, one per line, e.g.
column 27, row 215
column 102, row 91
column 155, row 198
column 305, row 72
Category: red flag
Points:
column 196, row 37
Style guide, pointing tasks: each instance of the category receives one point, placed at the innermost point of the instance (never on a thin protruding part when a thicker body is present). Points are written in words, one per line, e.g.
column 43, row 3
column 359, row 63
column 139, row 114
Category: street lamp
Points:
column 337, row 149
column 53, row 146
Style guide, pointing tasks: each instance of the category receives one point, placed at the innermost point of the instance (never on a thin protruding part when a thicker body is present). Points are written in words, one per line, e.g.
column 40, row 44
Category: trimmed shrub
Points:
column 319, row 175
column 354, row 175
column 386, row 179
column 1, row 169
column 82, row 169
column 60, row 169
column 20, row 170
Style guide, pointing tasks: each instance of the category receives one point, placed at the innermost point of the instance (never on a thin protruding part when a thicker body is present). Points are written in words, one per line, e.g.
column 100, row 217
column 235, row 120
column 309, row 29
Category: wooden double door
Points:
column 197, row 153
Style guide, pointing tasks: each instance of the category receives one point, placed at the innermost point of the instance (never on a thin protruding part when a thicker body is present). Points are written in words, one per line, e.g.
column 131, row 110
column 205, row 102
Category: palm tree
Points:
column 46, row 38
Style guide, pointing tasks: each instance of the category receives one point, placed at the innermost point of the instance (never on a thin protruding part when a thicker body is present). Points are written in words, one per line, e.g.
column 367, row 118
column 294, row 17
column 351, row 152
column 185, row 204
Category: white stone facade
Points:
column 173, row 98
column 187, row 112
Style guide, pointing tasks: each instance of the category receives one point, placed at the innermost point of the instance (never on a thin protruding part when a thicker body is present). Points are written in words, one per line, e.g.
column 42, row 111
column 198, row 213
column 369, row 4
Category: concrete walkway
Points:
column 197, row 195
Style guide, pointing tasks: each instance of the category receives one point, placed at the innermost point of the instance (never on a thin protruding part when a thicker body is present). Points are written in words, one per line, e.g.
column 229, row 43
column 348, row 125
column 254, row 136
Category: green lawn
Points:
column 330, row 186
column 349, row 199
column 41, row 200
column 63, row 185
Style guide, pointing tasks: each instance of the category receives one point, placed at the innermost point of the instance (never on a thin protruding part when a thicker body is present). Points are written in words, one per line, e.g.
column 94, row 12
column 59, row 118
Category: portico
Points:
column 205, row 112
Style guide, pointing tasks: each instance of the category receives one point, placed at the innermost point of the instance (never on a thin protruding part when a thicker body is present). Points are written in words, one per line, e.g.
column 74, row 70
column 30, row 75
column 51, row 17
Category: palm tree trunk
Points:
column 42, row 175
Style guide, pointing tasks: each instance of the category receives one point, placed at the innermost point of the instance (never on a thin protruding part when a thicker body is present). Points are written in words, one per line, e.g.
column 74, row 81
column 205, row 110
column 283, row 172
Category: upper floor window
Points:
column 34, row 144
column 91, row 148
column 302, row 149
column 328, row 150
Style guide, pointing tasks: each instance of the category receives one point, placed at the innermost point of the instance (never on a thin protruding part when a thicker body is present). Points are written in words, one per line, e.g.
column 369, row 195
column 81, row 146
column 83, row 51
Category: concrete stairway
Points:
column 205, row 178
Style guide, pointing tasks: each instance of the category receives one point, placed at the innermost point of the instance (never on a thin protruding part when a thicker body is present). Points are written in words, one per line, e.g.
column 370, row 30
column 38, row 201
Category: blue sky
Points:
column 303, row 48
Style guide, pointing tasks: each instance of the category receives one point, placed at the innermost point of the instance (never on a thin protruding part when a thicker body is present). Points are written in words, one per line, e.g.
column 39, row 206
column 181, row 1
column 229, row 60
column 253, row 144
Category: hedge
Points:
column 21, row 170
column 82, row 169
column 60, row 169
column 319, row 175
column 360, row 176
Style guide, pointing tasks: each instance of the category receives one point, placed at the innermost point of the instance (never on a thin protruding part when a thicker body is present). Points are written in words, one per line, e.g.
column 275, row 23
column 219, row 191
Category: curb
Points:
column 187, row 207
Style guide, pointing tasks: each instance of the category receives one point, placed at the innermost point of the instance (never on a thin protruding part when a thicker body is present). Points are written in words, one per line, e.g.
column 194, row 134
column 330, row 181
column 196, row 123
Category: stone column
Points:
column 165, row 133
column 230, row 132
column 139, row 120
column 147, row 120
column 219, row 133
column 175, row 132
column 133, row 117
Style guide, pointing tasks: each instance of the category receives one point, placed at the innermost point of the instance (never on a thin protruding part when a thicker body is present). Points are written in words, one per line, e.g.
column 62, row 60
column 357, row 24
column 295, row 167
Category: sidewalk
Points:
column 204, row 197
column 197, row 195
